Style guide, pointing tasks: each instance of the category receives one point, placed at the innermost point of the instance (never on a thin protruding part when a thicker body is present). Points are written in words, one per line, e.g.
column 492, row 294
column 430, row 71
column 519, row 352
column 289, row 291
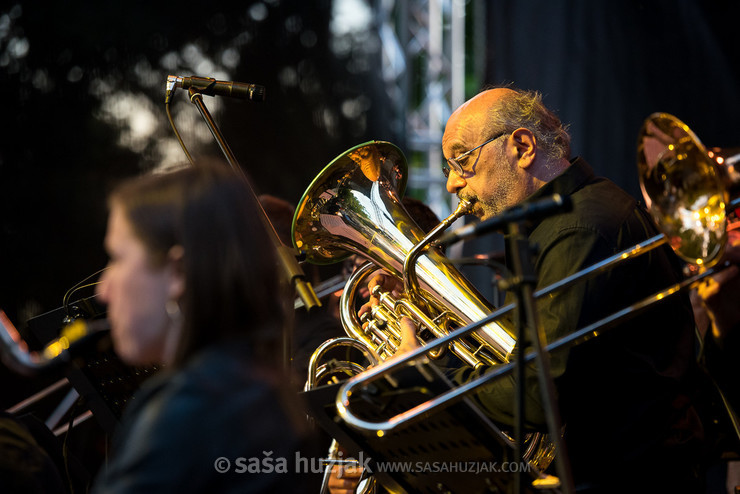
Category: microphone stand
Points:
column 522, row 283
column 286, row 255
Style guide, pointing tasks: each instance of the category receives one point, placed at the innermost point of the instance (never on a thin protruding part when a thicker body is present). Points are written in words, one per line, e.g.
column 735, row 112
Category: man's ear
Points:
column 525, row 146
column 175, row 260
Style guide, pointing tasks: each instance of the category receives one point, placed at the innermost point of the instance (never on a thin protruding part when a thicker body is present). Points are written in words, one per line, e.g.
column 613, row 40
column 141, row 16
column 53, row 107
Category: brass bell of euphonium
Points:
column 687, row 188
column 354, row 207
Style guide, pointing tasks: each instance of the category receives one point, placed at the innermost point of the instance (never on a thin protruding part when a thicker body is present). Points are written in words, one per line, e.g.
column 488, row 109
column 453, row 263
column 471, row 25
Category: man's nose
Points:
column 454, row 182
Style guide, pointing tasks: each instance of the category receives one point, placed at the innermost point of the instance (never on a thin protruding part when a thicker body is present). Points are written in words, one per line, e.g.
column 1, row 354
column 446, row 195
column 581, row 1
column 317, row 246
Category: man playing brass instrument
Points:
column 625, row 397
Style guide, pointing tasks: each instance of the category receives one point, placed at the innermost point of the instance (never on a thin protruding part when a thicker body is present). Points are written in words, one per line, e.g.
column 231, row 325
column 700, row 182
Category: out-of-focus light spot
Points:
column 18, row 47
column 41, row 81
column 288, row 77
column 191, row 54
column 353, row 108
column 349, row 16
column 258, row 12
column 329, row 121
column 308, row 38
column 230, row 57
column 293, row 24
column 340, row 46
column 134, row 115
column 4, row 25
column 75, row 74
column 142, row 124
column 206, row 68
column 170, row 61
column 100, row 87
column 310, row 85
column 172, row 156
column 243, row 38
column 146, row 76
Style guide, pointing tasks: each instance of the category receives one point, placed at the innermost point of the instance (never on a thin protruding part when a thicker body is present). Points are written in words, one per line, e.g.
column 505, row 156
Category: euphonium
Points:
column 354, row 206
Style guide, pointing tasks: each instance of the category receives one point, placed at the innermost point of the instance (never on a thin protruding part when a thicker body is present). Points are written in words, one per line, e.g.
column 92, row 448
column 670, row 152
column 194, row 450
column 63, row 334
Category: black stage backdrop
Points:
column 83, row 88
column 606, row 66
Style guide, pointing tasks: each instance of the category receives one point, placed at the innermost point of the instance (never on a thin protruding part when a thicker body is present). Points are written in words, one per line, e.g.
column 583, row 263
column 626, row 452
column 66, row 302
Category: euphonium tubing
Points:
column 320, row 374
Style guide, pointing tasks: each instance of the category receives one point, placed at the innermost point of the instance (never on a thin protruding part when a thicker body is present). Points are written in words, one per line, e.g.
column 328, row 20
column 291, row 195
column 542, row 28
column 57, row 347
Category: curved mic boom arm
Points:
column 15, row 354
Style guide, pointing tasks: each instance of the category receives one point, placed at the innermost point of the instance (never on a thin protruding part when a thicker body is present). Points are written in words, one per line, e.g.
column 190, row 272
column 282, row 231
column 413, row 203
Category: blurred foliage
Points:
column 83, row 84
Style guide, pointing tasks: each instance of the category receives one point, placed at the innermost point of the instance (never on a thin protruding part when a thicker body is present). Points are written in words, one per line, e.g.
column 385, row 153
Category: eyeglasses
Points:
column 454, row 163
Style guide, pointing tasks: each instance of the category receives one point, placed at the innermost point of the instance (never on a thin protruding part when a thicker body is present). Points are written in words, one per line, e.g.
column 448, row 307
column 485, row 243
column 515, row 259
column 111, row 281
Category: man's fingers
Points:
column 408, row 335
column 344, row 479
column 408, row 328
column 386, row 282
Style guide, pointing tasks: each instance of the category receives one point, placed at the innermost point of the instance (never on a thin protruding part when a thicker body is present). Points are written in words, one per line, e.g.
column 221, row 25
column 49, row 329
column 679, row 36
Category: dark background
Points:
column 73, row 75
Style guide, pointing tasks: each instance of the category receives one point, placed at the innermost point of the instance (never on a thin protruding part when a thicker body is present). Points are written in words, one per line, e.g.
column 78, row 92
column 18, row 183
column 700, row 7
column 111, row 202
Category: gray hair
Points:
column 525, row 109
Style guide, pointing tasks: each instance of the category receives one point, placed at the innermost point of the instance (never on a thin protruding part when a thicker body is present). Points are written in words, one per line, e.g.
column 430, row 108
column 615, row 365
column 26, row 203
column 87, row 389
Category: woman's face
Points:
column 136, row 294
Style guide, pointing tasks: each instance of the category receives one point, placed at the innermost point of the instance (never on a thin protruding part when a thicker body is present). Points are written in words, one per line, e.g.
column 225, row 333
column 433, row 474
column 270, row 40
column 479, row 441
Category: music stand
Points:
column 103, row 381
column 455, row 450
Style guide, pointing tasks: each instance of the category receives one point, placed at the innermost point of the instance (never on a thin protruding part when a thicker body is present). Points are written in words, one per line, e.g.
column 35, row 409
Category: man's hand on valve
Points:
column 388, row 283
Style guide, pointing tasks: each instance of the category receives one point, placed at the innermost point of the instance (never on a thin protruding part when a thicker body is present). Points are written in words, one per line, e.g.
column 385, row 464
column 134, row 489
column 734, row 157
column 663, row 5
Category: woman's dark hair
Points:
column 232, row 289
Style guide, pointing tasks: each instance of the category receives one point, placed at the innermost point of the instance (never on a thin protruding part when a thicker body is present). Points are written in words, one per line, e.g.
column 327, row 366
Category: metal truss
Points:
column 424, row 67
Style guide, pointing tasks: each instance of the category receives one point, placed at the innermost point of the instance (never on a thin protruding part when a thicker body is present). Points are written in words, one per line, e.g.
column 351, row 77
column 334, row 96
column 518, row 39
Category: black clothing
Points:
column 311, row 330
column 623, row 396
column 180, row 427
column 720, row 360
column 25, row 466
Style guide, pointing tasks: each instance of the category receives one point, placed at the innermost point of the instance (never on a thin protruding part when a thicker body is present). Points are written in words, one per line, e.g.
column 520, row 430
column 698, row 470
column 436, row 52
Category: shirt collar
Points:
column 573, row 178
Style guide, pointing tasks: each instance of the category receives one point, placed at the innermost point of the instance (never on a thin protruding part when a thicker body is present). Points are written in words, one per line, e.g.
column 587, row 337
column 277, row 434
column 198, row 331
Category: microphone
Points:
column 531, row 210
column 212, row 87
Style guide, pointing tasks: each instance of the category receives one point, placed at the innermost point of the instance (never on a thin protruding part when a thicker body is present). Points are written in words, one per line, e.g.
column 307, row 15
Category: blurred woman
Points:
column 192, row 286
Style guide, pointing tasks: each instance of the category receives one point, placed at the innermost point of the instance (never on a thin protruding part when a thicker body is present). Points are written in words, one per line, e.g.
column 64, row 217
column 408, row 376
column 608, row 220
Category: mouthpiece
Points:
column 463, row 207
